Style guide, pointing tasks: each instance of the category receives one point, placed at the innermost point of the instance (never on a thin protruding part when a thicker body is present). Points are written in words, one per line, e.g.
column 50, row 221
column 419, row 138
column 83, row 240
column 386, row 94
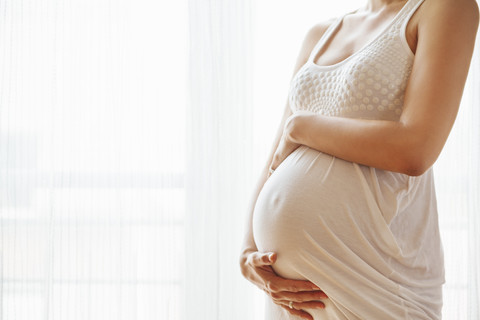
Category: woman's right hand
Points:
column 257, row 268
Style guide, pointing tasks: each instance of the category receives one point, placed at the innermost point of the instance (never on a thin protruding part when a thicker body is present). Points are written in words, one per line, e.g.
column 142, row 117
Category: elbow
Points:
column 415, row 163
column 415, row 168
column 416, row 151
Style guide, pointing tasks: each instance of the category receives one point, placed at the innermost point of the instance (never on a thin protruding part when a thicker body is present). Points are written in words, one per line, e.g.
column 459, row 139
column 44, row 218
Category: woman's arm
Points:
column 446, row 36
column 308, row 44
column 256, row 266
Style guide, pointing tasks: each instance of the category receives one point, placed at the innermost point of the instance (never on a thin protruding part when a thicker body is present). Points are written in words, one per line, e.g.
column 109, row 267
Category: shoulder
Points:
column 458, row 14
column 314, row 34
column 310, row 39
column 316, row 31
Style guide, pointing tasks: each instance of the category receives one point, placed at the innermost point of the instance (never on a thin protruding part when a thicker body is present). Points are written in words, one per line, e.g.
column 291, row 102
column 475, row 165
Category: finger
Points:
column 271, row 170
column 273, row 166
column 300, row 313
column 275, row 283
column 303, row 305
column 259, row 259
column 293, row 285
column 302, row 296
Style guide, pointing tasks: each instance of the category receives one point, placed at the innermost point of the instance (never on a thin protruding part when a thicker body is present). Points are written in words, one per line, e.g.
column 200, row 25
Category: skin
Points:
column 441, row 33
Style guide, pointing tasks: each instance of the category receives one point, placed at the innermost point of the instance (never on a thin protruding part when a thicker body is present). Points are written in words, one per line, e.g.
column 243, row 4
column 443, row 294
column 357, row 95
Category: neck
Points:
column 377, row 5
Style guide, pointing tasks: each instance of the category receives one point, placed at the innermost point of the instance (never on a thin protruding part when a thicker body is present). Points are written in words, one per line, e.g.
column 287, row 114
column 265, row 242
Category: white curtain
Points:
column 219, row 144
column 131, row 136
column 473, row 281
column 457, row 175
column 92, row 159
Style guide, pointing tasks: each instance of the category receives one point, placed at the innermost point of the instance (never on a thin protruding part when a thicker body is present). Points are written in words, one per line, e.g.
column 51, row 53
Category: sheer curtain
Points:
column 131, row 136
column 219, row 153
column 457, row 174
column 92, row 159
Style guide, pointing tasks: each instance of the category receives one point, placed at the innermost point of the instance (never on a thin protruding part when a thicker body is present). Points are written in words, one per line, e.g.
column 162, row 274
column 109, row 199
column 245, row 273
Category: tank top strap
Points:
column 405, row 14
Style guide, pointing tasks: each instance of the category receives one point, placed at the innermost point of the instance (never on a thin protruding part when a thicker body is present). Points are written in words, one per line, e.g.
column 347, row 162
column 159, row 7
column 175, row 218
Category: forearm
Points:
column 383, row 144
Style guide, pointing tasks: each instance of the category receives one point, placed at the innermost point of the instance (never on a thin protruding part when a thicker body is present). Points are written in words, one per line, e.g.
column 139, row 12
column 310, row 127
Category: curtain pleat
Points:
column 219, row 149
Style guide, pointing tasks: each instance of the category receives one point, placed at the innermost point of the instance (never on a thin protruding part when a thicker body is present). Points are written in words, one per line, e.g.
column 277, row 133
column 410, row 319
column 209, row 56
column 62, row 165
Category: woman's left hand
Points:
column 286, row 145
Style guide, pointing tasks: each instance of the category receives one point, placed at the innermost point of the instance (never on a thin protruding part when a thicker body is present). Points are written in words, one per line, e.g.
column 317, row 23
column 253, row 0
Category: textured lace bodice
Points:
column 370, row 84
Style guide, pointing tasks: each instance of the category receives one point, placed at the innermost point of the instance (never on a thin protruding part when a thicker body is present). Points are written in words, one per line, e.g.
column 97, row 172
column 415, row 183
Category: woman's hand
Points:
column 285, row 147
column 256, row 267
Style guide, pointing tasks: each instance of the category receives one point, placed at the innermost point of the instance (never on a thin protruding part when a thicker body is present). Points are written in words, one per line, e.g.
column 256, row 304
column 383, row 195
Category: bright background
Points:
column 131, row 136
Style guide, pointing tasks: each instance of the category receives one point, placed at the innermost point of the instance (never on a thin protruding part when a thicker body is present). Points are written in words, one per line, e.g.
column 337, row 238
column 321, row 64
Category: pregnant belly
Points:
column 317, row 208
column 329, row 222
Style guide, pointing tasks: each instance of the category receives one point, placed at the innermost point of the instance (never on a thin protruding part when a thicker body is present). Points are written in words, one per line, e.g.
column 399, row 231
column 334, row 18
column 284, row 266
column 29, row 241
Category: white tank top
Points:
column 370, row 84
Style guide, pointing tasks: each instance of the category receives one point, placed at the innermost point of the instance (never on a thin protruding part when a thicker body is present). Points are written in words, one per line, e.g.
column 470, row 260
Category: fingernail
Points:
column 270, row 256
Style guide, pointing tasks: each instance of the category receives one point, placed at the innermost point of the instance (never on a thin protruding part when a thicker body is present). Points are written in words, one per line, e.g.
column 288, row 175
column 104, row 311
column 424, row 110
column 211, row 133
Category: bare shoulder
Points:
column 310, row 39
column 461, row 14
column 316, row 31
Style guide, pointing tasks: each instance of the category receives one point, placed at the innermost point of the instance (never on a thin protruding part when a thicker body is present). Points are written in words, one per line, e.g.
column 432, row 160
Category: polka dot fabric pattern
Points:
column 370, row 84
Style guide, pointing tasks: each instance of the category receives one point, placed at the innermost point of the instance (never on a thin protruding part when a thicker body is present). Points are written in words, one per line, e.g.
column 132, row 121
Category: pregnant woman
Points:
column 343, row 222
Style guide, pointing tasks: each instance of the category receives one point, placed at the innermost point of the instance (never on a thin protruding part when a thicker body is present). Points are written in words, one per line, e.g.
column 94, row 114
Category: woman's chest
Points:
column 369, row 85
